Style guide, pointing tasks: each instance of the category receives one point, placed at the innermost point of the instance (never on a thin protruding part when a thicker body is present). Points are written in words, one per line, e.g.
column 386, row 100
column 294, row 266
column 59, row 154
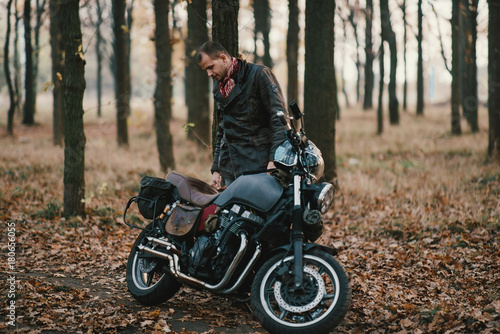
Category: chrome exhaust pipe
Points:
column 234, row 264
column 173, row 260
column 173, row 257
column 245, row 272
column 169, row 246
column 154, row 252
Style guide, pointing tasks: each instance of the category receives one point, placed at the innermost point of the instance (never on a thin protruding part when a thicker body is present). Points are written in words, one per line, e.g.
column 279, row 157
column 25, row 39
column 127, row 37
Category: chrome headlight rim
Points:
column 324, row 197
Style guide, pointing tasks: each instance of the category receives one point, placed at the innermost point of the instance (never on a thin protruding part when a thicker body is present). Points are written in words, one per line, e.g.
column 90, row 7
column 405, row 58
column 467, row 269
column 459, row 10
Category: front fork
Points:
column 297, row 232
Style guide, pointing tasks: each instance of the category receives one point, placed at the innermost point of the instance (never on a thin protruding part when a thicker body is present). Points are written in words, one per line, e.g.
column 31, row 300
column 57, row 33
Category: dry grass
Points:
column 418, row 162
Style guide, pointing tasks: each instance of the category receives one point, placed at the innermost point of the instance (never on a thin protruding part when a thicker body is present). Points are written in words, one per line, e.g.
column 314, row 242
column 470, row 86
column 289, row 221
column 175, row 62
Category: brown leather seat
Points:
column 191, row 189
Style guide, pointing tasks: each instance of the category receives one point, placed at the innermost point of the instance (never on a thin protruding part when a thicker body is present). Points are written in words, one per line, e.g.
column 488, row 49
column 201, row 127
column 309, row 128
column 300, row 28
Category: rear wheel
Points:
column 318, row 307
column 148, row 283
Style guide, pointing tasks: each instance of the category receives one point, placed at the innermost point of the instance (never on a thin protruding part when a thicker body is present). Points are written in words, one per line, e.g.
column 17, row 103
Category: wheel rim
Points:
column 145, row 272
column 321, row 291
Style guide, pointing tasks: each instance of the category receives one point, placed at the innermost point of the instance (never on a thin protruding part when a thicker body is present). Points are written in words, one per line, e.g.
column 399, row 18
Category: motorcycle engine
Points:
column 212, row 254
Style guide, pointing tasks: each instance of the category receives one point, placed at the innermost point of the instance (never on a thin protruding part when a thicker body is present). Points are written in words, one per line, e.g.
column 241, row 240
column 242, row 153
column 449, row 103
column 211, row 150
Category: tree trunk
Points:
column 494, row 80
column 389, row 36
column 8, row 79
column 29, row 103
column 74, row 88
column 342, row 72
column 57, row 56
column 405, row 85
column 163, row 112
column 456, row 128
column 320, row 93
column 98, row 52
column 121, row 76
column 292, row 50
column 354, row 23
column 40, row 9
column 468, row 26
column 225, row 32
column 128, row 73
column 197, row 82
column 17, row 63
column 225, row 24
column 262, row 15
column 369, row 76
column 380, row 108
column 420, row 64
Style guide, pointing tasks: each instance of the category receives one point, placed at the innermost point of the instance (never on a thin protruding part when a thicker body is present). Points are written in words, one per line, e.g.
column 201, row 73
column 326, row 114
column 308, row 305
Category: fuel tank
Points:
column 259, row 191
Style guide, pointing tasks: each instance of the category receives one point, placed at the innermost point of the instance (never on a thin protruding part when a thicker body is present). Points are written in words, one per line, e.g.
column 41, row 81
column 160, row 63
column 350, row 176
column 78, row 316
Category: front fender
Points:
column 288, row 248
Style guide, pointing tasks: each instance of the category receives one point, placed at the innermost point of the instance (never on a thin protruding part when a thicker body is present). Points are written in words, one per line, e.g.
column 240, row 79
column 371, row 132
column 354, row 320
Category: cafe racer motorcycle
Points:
column 254, row 240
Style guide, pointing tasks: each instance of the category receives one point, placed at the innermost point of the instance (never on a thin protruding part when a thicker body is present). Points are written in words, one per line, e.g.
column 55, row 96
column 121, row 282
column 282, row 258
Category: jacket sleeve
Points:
column 218, row 141
column 274, row 102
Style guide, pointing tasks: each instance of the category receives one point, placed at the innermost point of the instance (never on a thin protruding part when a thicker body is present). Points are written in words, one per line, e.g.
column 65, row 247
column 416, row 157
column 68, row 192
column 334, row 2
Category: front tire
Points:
column 148, row 283
column 318, row 308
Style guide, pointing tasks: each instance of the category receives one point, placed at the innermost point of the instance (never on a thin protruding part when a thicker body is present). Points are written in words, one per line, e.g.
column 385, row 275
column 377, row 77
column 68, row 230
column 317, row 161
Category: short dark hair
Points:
column 211, row 49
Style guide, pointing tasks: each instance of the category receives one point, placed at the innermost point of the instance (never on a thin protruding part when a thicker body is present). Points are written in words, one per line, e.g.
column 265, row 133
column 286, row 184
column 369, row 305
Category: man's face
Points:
column 216, row 68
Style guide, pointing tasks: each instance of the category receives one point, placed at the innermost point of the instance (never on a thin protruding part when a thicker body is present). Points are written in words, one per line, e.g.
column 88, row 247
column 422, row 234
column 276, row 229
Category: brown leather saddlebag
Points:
column 182, row 220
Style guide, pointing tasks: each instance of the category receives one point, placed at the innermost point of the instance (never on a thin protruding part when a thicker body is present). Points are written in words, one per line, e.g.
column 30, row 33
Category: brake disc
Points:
column 316, row 282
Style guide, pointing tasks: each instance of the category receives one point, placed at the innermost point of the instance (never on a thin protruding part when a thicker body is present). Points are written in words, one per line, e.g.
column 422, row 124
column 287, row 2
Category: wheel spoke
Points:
column 150, row 278
column 329, row 296
column 320, row 270
column 283, row 314
column 308, row 316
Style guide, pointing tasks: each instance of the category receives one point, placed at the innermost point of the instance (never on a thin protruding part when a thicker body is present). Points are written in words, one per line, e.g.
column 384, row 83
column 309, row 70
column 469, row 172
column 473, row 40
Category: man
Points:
column 248, row 98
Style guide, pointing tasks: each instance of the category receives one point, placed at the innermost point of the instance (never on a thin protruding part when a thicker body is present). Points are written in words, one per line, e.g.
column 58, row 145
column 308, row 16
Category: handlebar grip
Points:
column 295, row 110
column 281, row 116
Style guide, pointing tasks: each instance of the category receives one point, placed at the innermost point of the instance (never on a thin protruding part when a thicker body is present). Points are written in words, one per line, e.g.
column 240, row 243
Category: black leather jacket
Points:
column 249, row 130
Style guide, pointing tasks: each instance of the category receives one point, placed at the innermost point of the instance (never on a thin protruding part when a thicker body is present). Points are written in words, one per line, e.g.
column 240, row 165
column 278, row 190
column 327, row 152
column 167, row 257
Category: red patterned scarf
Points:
column 227, row 85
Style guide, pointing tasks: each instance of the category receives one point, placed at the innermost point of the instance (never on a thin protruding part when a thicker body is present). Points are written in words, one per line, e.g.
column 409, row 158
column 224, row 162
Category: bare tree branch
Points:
column 440, row 37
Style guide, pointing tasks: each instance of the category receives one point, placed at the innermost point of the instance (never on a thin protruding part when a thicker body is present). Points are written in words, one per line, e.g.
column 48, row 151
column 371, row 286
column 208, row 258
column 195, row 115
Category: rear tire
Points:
column 148, row 283
column 318, row 309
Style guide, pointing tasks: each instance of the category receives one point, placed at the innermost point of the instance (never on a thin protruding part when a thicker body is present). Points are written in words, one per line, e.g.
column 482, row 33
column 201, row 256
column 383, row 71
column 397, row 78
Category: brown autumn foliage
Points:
column 416, row 221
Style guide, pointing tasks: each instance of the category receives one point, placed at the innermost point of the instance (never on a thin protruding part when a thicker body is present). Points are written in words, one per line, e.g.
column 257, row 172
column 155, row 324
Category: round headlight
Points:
column 324, row 197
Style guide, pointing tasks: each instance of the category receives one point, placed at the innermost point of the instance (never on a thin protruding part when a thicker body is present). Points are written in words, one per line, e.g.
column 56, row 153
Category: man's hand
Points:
column 216, row 178
column 270, row 165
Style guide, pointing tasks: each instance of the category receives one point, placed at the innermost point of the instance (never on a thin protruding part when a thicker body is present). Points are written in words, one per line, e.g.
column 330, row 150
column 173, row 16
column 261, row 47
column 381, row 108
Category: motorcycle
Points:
column 254, row 240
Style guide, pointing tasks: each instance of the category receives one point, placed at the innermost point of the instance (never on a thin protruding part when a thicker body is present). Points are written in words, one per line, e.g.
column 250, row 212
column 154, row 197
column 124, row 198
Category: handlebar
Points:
column 297, row 115
column 281, row 116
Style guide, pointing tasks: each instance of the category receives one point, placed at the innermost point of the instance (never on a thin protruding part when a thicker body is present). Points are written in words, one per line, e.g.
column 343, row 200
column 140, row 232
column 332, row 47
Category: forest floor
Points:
column 416, row 220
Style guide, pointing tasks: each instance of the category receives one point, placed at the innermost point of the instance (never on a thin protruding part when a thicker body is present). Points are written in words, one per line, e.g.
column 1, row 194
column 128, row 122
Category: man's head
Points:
column 214, row 59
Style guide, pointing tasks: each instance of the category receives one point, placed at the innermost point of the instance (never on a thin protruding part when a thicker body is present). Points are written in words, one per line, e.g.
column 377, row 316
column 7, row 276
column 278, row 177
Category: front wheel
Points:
column 148, row 283
column 318, row 307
